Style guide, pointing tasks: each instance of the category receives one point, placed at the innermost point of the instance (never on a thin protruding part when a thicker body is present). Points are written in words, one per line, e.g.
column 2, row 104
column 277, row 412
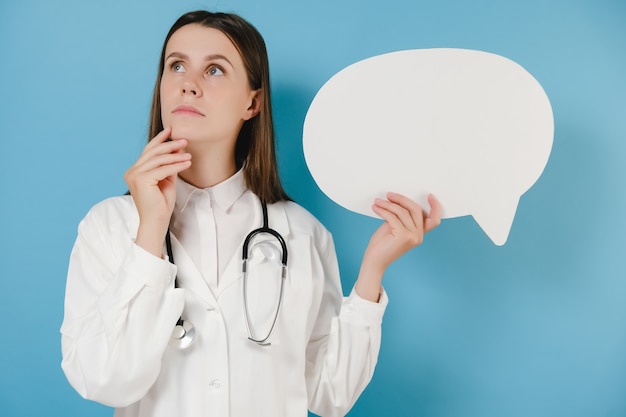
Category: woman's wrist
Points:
column 369, row 282
column 150, row 239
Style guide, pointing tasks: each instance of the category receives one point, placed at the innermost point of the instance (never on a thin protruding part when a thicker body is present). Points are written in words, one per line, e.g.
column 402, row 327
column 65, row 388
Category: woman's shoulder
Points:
column 115, row 206
column 301, row 220
column 112, row 213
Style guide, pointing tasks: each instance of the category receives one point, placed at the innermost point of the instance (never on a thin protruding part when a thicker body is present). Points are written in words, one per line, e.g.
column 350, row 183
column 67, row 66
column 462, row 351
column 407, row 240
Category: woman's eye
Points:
column 177, row 67
column 215, row 70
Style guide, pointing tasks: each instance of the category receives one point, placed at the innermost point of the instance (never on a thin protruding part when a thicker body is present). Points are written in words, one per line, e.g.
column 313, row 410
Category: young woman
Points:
column 160, row 317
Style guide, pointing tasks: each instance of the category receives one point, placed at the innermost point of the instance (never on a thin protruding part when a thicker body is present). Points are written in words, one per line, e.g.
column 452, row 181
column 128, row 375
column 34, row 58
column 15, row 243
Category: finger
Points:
column 161, row 137
column 167, row 148
column 433, row 219
column 156, row 169
column 171, row 146
column 170, row 171
column 397, row 216
column 386, row 215
column 162, row 172
column 415, row 210
column 160, row 160
column 408, row 237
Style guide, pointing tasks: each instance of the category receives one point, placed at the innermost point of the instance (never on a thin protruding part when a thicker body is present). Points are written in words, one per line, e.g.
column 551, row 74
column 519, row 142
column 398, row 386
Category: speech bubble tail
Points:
column 496, row 218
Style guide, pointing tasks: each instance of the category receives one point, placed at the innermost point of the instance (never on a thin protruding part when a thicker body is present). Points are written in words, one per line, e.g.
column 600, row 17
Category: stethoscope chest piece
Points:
column 182, row 335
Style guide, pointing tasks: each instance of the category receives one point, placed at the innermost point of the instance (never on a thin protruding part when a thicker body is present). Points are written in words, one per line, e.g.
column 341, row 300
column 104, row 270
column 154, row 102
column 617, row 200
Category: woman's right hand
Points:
column 152, row 184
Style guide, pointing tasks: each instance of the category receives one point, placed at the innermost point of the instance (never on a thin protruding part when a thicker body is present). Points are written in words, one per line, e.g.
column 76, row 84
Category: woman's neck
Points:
column 209, row 167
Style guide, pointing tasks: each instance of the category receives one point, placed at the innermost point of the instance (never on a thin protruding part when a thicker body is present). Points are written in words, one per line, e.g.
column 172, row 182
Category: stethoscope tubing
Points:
column 184, row 333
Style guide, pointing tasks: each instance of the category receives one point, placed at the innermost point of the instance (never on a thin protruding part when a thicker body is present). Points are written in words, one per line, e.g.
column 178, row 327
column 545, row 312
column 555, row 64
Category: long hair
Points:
column 255, row 147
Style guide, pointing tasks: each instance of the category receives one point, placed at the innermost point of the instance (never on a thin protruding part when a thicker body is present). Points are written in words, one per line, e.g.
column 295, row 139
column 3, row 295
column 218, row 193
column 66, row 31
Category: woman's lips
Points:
column 187, row 110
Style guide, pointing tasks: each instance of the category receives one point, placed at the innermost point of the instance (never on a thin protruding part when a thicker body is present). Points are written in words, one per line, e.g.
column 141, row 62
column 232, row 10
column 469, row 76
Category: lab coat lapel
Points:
column 188, row 275
column 277, row 220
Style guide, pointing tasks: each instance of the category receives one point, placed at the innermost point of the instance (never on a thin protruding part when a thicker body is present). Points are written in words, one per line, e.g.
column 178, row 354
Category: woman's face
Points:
column 205, row 93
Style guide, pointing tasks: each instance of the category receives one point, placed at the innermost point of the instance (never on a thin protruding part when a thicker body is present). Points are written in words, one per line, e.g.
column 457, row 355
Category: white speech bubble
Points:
column 471, row 127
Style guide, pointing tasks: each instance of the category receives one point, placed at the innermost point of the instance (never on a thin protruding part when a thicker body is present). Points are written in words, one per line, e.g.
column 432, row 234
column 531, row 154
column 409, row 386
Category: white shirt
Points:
column 204, row 210
column 121, row 306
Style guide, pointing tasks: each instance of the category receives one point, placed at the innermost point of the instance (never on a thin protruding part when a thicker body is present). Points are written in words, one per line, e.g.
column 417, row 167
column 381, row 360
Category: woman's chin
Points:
column 183, row 132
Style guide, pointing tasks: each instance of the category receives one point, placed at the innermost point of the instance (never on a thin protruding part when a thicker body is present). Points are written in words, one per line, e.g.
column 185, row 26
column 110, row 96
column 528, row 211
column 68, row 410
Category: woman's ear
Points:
column 255, row 104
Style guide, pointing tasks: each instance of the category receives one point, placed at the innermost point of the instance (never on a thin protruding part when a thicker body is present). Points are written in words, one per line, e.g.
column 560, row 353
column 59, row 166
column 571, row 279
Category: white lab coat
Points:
column 121, row 307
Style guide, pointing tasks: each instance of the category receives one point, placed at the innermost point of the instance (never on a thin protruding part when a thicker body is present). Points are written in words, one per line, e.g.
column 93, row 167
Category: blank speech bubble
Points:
column 471, row 127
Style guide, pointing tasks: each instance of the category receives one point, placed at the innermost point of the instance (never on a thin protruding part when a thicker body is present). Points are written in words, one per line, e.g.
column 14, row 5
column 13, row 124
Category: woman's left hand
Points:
column 404, row 228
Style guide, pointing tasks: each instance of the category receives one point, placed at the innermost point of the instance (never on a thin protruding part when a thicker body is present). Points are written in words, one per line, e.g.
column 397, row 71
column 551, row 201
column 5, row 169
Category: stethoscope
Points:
column 184, row 332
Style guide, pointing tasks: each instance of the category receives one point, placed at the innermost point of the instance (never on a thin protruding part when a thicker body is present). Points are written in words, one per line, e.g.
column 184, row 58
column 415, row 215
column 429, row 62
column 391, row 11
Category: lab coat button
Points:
column 216, row 384
column 349, row 307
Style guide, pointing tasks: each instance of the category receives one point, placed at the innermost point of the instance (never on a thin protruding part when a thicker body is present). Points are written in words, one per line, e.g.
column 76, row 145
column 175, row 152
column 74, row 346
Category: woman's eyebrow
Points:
column 176, row 55
column 217, row 56
column 211, row 57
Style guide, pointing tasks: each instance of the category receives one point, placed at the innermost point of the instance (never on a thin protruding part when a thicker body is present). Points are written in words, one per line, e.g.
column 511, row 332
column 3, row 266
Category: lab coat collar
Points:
column 187, row 274
column 223, row 194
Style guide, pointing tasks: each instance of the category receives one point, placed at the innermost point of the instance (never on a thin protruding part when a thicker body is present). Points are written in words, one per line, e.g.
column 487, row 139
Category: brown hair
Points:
column 255, row 147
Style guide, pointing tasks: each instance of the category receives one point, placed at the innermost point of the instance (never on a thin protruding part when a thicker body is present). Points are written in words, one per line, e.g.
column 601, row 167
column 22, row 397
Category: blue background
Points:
column 534, row 328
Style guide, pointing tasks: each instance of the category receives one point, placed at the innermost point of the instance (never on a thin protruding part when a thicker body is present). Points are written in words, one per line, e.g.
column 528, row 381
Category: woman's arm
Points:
column 404, row 228
column 344, row 346
column 120, row 304
column 152, row 183
column 120, row 308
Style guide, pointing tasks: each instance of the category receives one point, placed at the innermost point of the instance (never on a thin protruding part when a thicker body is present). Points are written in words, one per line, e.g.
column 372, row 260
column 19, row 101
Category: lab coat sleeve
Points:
column 120, row 308
column 344, row 346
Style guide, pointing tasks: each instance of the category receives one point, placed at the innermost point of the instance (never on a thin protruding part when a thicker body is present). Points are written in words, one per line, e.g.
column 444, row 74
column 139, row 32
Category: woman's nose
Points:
column 189, row 90
column 191, row 86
